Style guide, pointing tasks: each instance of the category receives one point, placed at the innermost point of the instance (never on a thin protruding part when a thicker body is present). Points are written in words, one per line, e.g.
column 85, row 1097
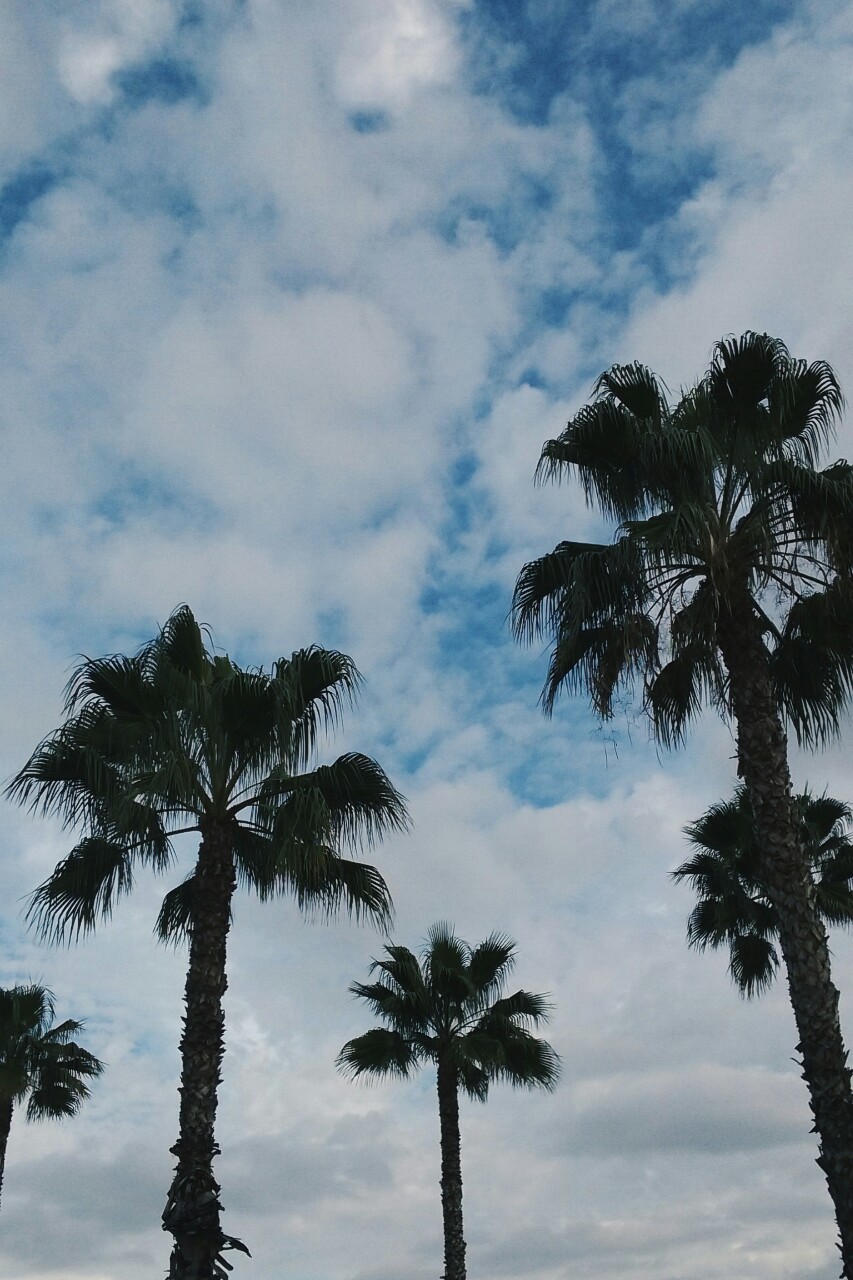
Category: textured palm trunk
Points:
column 5, row 1126
column 763, row 765
column 451, row 1172
column 193, row 1209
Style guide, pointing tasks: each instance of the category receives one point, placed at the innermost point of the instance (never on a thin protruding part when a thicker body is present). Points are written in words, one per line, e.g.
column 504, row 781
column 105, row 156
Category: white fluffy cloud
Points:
column 280, row 348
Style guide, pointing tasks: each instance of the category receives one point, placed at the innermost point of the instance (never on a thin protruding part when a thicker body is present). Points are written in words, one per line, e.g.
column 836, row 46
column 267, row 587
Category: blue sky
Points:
column 291, row 296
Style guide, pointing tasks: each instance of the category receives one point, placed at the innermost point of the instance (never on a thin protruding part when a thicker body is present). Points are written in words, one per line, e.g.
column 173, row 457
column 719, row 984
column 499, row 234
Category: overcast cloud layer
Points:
column 290, row 296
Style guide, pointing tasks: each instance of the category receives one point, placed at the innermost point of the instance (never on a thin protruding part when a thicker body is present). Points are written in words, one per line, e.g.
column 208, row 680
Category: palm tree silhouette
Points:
column 448, row 1009
column 178, row 739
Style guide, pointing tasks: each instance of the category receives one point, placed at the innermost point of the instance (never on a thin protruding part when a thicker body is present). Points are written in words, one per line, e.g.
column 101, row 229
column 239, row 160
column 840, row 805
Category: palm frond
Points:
column 181, row 645
column 59, row 1085
column 405, row 1010
column 677, row 692
column 601, row 659
column 312, row 687
column 117, row 684
column 753, row 963
column 578, row 586
column 510, row 1053
column 520, row 1007
column 84, row 887
column 323, row 882
column 637, row 389
column 490, row 964
column 821, row 507
column 351, row 799
column 742, row 374
column 379, row 1052
column 805, row 402
column 473, row 1079
column 175, row 917
column 812, row 664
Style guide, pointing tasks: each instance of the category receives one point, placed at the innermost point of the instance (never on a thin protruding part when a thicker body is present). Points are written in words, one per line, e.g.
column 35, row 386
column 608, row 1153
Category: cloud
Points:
column 291, row 297
column 711, row 1109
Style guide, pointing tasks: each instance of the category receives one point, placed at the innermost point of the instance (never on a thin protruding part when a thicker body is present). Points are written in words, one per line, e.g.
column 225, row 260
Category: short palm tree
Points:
column 178, row 739
column 448, row 1010
column 39, row 1061
column 729, row 580
column 733, row 908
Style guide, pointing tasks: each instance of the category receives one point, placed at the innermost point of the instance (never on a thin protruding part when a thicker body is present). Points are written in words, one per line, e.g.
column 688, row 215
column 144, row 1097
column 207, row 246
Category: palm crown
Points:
column 733, row 908
column 449, row 1007
column 176, row 738
column 39, row 1059
column 716, row 496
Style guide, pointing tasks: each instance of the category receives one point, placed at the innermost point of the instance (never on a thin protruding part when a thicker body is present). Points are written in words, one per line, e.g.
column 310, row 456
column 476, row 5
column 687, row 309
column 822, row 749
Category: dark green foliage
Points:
column 39, row 1059
column 160, row 743
column 725, row 871
column 450, row 1004
column 715, row 494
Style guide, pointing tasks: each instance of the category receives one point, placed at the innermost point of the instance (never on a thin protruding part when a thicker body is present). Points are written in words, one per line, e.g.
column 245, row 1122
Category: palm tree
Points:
column 448, row 1010
column 729, row 581
column 179, row 739
column 733, row 907
column 39, row 1059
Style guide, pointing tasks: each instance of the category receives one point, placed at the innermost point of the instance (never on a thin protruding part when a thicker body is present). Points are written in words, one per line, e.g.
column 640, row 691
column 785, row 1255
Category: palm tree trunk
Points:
column 763, row 765
column 193, row 1209
column 5, row 1125
column 451, row 1171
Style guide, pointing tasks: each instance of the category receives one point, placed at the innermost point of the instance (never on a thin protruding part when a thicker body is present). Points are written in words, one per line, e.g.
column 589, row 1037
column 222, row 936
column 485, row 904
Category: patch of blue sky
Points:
column 156, row 192
column 133, row 494
column 192, row 15
column 166, row 79
column 369, row 121
column 22, row 192
column 530, row 53
column 506, row 222
column 570, row 753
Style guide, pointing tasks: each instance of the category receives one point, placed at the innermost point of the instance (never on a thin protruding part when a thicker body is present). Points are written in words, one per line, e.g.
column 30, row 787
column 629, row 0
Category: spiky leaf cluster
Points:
column 714, row 497
column 448, row 1005
column 733, row 908
column 39, row 1060
column 178, row 737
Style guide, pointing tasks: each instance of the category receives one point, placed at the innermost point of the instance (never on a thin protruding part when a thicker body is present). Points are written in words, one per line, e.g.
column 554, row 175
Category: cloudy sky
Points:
column 291, row 295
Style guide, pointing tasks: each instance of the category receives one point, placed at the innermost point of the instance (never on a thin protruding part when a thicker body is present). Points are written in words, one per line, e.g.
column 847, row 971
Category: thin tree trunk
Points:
column 451, row 1172
column 763, row 765
column 5, row 1126
column 193, row 1209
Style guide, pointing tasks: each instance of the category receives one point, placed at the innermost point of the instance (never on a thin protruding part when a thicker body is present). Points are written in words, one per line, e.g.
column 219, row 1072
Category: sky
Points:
column 290, row 296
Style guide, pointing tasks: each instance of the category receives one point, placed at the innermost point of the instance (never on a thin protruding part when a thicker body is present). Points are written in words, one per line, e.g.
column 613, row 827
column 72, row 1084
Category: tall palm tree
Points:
column 179, row 739
column 730, row 581
column 40, row 1060
column 733, row 908
column 448, row 1010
